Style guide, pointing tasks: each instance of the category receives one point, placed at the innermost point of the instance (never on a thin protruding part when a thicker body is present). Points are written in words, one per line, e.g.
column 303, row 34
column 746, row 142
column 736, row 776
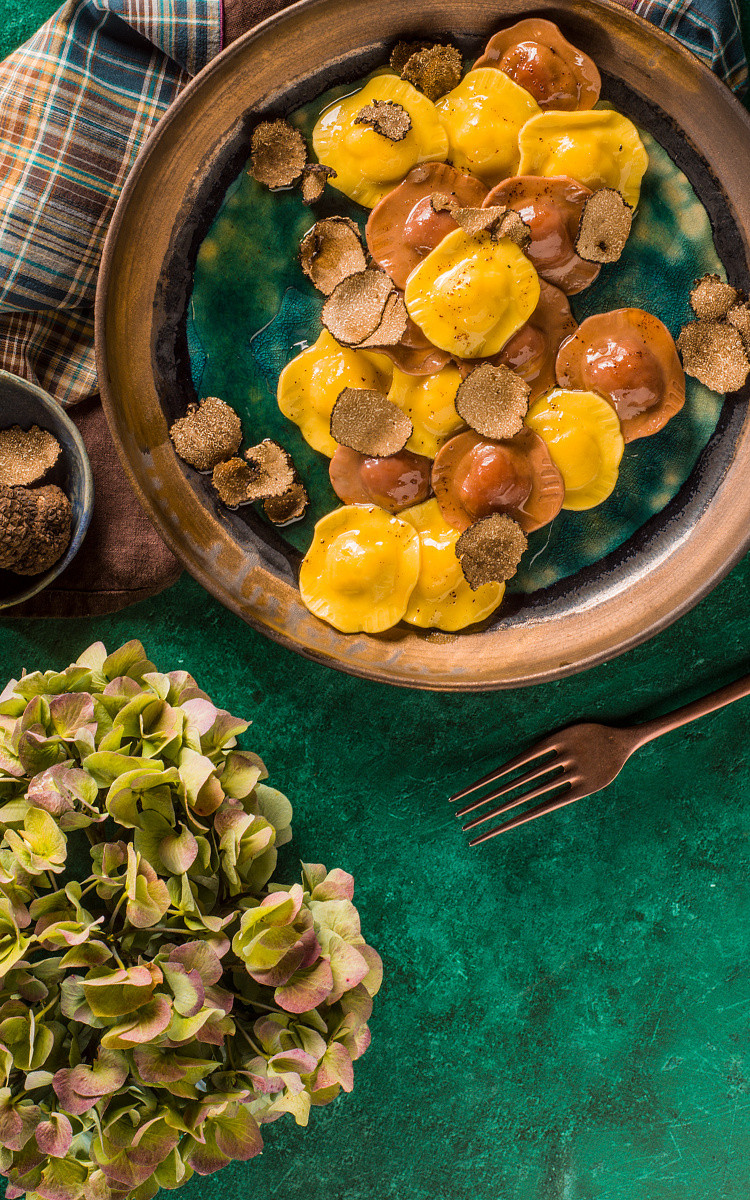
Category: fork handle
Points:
column 649, row 730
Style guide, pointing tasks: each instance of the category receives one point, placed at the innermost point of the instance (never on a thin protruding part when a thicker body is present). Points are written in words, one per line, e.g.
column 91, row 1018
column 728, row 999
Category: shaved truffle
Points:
column 711, row 298
column 493, row 401
column 210, row 433
column 498, row 221
column 434, row 70
column 314, row 179
column 370, row 423
column 392, row 326
column 713, row 352
column 739, row 316
column 330, row 252
column 268, row 472
column 50, row 534
column 355, row 308
column 26, row 455
column 387, row 118
column 292, row 506
column 278, row 153
column 604, row 227
column 403, row 51
column 490, row 550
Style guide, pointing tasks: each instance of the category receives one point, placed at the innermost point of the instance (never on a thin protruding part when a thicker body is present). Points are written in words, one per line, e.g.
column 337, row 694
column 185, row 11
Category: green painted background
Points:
column 566, row 1012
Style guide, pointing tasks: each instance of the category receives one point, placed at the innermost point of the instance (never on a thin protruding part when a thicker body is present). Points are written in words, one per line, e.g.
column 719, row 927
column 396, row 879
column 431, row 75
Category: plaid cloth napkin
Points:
column 77, row 102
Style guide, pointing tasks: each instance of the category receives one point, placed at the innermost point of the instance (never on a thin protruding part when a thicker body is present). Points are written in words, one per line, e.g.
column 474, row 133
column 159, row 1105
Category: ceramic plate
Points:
column 166, row 323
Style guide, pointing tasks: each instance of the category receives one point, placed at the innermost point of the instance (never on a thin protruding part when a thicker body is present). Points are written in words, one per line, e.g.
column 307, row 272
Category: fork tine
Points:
column 531, row 814
column 520, row 760
column 552, row 764
column 536, row 794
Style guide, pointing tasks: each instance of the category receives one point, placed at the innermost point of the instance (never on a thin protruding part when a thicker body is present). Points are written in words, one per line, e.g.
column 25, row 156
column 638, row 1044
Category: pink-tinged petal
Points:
column 200, row 957
column 238, row 1136
column 206, row 1157
column 374, row 977
column 55, row 1135
column 70, row 712
column 335, row 1067
column 293, row 1060
column 147, row 1024
column 187, row 988
column 337, row 885
column 307, row 989
column 348, row 966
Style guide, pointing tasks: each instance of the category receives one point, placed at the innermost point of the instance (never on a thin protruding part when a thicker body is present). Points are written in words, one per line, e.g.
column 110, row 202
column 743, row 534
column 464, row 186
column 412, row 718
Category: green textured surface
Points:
column 566, row 1012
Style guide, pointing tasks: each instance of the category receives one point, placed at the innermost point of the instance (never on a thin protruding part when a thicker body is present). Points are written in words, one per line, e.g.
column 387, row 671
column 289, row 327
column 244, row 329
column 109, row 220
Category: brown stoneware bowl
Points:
column 171, row 199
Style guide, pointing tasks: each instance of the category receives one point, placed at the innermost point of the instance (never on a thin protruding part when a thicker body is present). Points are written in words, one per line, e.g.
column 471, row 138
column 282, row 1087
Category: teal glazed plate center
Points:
column 217, row 305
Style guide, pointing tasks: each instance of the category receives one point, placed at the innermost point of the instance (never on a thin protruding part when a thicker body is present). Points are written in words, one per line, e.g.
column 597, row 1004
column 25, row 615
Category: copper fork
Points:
column 581, row 759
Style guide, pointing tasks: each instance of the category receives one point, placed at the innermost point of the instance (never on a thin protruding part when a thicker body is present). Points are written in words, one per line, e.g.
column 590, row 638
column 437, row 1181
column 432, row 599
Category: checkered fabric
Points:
column 76, row 104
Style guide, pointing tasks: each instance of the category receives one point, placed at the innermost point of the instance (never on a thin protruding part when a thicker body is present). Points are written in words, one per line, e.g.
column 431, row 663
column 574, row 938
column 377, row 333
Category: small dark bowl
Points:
column 24, row 404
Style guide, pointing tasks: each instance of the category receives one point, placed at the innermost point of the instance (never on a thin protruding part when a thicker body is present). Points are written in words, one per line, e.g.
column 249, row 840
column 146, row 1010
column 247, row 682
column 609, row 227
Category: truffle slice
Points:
column 17, row 512
column 713, row 353
column 330, row 252
column 292, row 506
column 498, row 221
column 26, row 456
column 403, row 51
column 493, row 400
column 711, row 298
column 604, row 227
column 273, row 467
column 51, row 529
column 490, row 550
column 278, row 153
column 393, row 325
column 434, row 70
column 739, row 316
column 210, row 433
column 314, row 179
column 355, row 307
column 387, row 118
column 370, row 423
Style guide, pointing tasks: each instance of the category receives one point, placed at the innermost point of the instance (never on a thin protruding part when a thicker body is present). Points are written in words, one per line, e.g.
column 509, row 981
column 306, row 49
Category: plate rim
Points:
column 334, row 655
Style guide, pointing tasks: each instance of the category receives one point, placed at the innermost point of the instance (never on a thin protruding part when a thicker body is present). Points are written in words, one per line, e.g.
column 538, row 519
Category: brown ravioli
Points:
column 536, row 56
column 490, row 550
column 551, row 209
column 629, row 357
column 370, row 423
column 434, row 70
column 395, row 482
column 493, row 400
column 404, row 227
column 713, row 352
column 278, row 153
column 355, row 308
column 605, row 227
column 387, row 118
column 314, row 179
column 26, row 455
column 473, row 477
column 711, row 298
column 292, row 506
column 331, row 251
column 210, row 433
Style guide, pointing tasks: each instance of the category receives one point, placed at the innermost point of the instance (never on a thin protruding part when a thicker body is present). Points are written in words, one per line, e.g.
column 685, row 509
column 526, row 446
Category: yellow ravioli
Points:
column 442, row 599
column 429, row 400
column 471, row 294
column 361, row 569
column 599, row 148
column 483, row 116
column 311, row 383
column 583, row 435
column 367, row 164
